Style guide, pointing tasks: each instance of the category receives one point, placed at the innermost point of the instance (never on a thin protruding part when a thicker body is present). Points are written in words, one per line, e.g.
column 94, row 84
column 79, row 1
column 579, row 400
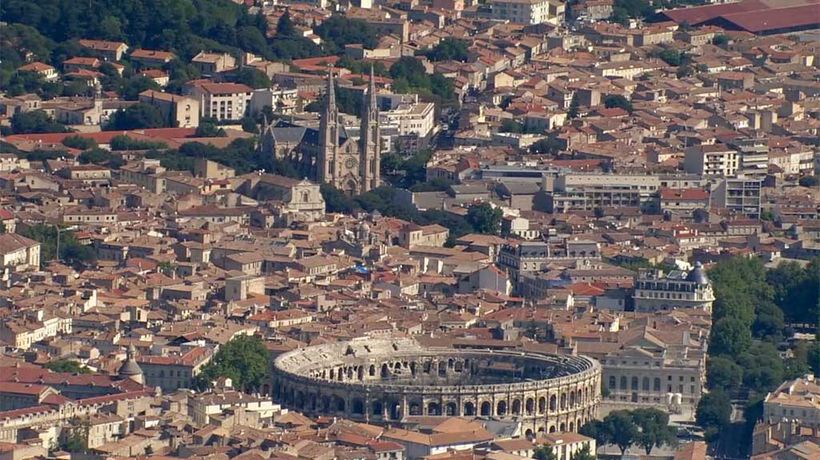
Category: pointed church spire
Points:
column 331, row 90
column 371, row 90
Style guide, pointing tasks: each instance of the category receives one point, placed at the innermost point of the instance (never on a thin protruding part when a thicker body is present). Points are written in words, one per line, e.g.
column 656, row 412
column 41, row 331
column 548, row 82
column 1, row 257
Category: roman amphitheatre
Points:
column 383, row 381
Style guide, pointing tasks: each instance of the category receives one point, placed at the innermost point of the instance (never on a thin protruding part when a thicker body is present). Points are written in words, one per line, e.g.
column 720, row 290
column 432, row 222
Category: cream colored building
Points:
column 794, row 400
column 202, row 407
column 173, row 372
column 711, row 161
column 212, row 63
column 413, row 235
column 222, row 101
column 183, row 111
column 407, row 119
column 22, row 332
column 658, row 377
column 19, row 251
column 565, row 445
column 528, row 11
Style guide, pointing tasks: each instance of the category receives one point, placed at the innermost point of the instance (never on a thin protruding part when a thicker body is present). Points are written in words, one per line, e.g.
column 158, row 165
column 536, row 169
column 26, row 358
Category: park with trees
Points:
column 756, row 308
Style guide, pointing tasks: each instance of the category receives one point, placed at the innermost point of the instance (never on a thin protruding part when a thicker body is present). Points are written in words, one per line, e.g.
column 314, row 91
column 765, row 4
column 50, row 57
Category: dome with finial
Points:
column 698, row 275
column 130, row 369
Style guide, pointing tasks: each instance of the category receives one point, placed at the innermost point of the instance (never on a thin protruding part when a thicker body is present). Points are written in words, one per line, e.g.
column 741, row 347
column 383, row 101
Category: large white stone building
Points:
column 528, row 11
column 795, row 400
column 655, row 290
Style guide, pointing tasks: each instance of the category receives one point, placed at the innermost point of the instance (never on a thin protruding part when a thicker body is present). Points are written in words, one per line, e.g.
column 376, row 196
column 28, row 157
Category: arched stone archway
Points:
column 542, row 405
column 501, row 408
column 377, row 408
column 516, row 407
column 486, row 408
column 433, row 408
column 553, row 403
column 529, row 406
column 469, row 408
column 358, row 406
column 415, row 408
column 451, row 409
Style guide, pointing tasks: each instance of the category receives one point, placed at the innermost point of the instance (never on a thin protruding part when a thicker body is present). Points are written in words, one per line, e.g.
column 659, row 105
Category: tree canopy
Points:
column 137, row 116
column 617, row 101
column 485, row 218
column 35, row 121
column 339, row 31
column 66, row 365
column 449, row 49
column 624, row 428
column 244, row 360
column 409, row 75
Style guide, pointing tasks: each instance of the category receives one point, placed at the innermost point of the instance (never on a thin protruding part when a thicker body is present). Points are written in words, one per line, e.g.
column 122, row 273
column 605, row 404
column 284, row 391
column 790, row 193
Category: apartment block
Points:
column 711, row 160
column 528, row 11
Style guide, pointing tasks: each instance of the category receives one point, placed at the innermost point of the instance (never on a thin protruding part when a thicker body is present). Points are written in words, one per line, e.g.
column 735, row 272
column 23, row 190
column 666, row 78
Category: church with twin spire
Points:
column 329, row 154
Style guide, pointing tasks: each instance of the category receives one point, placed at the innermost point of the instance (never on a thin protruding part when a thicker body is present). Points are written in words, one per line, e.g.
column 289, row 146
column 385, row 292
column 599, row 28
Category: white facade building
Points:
column 528, row 11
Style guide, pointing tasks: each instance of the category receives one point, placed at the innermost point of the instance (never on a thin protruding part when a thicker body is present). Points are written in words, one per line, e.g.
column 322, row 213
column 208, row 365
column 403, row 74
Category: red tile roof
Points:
column 684, row 194
column 774, row 19
column 699, row 14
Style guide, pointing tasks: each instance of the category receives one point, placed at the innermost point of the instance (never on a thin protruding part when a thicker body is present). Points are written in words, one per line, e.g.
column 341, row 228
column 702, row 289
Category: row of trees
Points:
column 750, row 313
column 647, row 428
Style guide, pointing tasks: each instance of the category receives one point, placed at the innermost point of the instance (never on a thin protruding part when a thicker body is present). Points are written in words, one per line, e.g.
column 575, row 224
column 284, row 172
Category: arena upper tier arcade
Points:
column 383, row 380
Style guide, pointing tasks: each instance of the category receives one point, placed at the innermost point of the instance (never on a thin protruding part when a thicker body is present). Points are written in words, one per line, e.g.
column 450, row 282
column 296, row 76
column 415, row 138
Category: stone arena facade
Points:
column 383, row 380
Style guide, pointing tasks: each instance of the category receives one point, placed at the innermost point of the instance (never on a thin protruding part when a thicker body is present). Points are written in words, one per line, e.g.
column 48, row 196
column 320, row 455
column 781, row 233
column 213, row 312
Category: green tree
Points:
column 583, row 454
column 672, row 57
column 244, row 359
column 654, row 428
column 730, row 337
column 131, row 88
column 449, row 49
column 813, row 357
column 723, row 374
column 574, row 105
column 253, row 78
column 543, row 453
column 67, row 366
column 617, row 101
column 763, row 368
column 720, row 40
column 713, row 413
column 598, row 430
column 700, row 215
column 71, row 251
column 35, row 121
column 485, row 218
column 511, row 126
column 79, row 142
column 76, row 438
column 137, row 116
column 336, row 200
column 808, row 181
column 123, row 142
column 285, row 27
column 209, row 129
column 96, row 156
column 339, row 31
column 547, row 146
column 249, row 125
column 623, row 432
